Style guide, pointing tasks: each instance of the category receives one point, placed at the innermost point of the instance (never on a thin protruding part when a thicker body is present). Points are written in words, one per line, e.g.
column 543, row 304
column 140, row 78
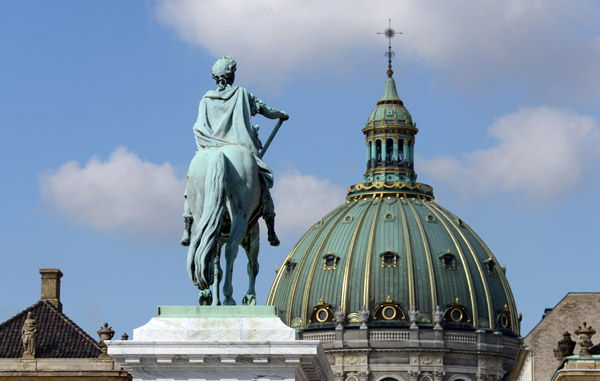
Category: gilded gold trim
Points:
column 322, row 309
column 349, row 257
column 275, row 284
column 484, row 280
column 507, row 291
column 465, row 266
column 313, row 268
column 388, row 308
column 369, row 258
column 430, row 270
column 409, row 259
column 340, row 211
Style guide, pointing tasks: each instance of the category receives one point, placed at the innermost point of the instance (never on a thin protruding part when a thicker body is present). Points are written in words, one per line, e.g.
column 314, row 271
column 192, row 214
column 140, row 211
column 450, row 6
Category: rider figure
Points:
column 224, row 118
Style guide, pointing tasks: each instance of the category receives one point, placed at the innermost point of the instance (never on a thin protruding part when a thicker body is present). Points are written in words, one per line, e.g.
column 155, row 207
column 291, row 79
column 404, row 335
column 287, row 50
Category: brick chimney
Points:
column 51, row 286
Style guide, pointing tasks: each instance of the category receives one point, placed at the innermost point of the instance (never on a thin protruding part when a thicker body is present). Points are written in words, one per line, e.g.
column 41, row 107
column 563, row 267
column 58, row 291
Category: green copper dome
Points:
column 390, row 255
column 390, row 108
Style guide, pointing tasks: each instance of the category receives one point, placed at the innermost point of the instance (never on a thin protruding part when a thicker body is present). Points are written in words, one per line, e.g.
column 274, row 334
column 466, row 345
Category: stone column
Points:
column 405, row 153
column 384, row 152
column 395, row 158
column 368, row 154
column 373, row 153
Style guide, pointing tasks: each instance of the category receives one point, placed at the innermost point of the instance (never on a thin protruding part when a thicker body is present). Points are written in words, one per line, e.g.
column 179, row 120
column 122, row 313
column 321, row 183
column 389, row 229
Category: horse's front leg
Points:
column 236, row 234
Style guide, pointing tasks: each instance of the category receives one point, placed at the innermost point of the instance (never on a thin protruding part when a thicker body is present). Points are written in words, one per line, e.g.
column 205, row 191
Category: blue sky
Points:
column 98, row 100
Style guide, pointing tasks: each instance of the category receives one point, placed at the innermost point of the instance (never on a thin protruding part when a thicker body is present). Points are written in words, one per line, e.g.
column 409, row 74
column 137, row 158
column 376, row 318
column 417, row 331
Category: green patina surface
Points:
column 217, row 311
column 400, row 219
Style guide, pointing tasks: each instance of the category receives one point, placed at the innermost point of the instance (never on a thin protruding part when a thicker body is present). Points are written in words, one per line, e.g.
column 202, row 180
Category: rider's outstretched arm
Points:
column 272, row 113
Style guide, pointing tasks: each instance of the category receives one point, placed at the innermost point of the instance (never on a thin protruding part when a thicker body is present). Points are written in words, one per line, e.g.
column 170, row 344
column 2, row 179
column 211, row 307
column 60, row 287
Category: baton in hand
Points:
column 266, row 145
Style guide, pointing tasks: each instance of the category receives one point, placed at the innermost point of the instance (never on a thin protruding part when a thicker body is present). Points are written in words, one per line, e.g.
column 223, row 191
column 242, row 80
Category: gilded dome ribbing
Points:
column 391, row 250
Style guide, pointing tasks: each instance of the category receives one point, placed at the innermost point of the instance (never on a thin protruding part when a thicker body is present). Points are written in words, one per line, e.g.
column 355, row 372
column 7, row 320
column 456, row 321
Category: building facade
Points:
column 394, row 285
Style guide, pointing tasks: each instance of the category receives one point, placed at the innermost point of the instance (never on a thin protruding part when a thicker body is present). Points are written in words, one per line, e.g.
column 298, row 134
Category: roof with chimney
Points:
column 57, row 337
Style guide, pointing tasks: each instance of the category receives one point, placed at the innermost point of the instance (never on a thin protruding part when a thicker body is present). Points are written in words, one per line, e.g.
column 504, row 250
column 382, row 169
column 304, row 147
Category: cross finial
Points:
column 389, row 33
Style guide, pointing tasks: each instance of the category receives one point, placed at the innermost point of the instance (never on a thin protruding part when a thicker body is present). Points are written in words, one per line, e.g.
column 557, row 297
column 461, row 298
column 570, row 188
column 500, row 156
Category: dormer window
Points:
column 289, row 267
column 389, row 259
column 448, row 260
column 490, row 264
column 330, row 261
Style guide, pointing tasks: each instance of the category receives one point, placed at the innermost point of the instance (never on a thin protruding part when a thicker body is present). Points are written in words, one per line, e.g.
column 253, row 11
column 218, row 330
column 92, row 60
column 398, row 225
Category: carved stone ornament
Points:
column 29, row 336
column 354, row 360
column 427, row 360
column 585, row 338
column 364, row 317
column 105, row 333
column 565, row 347
column 438, row 315
column 340, row 315
column 412, row 315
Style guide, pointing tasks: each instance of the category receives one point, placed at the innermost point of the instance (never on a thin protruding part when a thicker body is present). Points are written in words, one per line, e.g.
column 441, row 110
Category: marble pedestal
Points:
column 219, row 343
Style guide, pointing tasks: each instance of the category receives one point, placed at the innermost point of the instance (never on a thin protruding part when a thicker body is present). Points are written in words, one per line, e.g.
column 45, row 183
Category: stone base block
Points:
column 219, row 343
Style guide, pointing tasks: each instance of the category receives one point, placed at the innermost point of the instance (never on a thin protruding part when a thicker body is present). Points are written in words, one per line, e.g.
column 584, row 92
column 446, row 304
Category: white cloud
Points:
column 125, row 192
column 122, row 191
column 543, row 43
column 301, row 200
column 541, row 152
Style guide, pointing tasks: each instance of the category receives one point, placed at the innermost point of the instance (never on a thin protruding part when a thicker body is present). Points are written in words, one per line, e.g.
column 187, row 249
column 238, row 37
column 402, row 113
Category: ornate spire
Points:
column 390, row 140
column 389, row 33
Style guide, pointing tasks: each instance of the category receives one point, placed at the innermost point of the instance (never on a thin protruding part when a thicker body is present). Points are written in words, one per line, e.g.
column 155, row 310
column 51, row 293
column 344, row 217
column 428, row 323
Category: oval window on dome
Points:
column 456, row 314
column 322, row 315
column 388, row 312
column 389, row 217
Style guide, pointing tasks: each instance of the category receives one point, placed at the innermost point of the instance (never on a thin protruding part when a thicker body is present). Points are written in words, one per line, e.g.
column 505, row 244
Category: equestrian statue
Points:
column 228, row 187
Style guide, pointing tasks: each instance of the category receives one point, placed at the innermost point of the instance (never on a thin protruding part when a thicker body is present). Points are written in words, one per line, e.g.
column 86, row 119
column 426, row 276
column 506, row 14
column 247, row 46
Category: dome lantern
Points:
column 392, row 270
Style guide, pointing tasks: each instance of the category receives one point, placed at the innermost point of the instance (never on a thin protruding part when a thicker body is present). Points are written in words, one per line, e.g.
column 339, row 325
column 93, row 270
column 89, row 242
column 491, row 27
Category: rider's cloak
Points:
column 224, row 117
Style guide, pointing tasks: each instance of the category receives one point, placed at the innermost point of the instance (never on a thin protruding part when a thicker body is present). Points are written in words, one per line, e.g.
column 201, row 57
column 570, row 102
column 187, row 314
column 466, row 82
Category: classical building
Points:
column 42, row 343
column 553, row 349
column 395, row 286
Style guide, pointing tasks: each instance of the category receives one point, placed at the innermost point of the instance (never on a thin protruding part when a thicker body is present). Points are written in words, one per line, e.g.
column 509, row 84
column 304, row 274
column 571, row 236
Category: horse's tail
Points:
column 208, row 229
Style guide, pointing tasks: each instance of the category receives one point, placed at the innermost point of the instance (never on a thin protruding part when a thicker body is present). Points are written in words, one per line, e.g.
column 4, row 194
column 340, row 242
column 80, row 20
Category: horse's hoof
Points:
column 273, row 240
column 205, row 298
column 249, row 300
column 185, row 240
column 229, row 301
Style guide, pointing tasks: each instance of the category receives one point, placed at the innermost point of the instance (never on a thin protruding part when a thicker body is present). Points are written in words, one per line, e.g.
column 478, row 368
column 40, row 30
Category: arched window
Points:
column 400, row 151
column 389, row 154
column 377, row 153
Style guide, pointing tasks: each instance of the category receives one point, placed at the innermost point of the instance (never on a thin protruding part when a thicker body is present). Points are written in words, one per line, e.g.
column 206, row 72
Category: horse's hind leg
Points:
column 218, row 275
column 236, row 234
column 251, row 244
